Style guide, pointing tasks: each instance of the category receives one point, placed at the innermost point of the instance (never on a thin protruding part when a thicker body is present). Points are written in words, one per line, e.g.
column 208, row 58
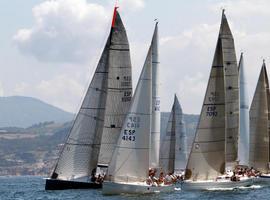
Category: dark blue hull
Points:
column 56, row 184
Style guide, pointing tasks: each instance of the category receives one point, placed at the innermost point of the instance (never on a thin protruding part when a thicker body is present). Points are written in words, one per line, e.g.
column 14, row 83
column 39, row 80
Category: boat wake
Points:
column 235, row 188
column 250, row 187
column 221, row 189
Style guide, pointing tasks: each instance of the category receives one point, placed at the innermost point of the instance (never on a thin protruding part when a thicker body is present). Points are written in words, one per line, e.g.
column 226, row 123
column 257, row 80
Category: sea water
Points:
column 29, row 187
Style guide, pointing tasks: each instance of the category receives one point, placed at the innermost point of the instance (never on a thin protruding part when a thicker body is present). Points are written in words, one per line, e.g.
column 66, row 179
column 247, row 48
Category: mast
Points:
column 231, row 85
column 130, row 160
column 155, row 128
column 259, row 124
column 243, row 142
column 119, row 92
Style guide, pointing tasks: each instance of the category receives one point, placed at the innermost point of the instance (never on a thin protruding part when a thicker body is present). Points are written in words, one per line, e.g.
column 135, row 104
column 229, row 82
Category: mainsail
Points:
column 119, row 90
column 155, row 127
column 173, row 155
column 259, row 124
column 130, row 160
column 243, row 142
column 79, row 157
column 215, row 143
column 207, row 157
column 231, row 85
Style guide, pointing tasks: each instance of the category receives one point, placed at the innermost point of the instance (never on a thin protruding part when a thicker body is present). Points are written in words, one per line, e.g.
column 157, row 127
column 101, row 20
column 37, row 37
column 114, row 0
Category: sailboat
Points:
column 214, row 149
column 173, row 155
column 243, row 142
column 128, row 170
column 259, row 127
column 110, row 86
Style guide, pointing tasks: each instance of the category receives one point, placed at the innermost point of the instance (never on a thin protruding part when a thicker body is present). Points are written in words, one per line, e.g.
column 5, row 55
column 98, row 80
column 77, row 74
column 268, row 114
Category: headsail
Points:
column 231, row 90
column 130, row 160
column 173, row 155
column 243, row 142
column 207, row 157
column 155, row 129
column 79, row 156
column 259, row 124
column 181, row 151
column 167, row 150
column 119, row 90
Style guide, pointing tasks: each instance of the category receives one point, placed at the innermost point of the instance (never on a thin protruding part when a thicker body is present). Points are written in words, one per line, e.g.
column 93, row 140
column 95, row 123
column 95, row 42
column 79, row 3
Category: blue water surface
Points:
column 29, row 187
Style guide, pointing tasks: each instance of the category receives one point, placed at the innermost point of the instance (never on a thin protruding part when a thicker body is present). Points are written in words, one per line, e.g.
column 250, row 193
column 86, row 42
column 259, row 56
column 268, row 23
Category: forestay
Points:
column 130, row 160
column 259, row 124
column 119, row 90
column 243, row 142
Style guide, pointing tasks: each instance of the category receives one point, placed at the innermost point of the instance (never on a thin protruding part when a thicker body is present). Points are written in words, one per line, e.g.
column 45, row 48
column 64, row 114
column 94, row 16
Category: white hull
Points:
column 111, row 188
column 263, row 179
column 216, row 185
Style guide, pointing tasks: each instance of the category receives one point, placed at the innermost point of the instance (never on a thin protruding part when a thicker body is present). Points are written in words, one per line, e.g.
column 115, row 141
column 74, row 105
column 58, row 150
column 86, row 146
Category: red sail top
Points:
column 114, row 16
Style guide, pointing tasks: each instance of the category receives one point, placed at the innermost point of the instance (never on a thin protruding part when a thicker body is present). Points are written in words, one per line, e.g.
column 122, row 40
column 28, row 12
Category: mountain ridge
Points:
column 23, row 111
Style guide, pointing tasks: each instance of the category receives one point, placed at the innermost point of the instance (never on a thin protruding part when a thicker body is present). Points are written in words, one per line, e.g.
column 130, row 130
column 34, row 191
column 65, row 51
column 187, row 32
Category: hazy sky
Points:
column 49, row 48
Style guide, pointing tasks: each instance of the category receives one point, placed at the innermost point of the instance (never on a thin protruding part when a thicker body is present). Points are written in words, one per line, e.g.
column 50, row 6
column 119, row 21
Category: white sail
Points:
column 80, row 153
column 243, row 142
column 119, row 90
column 155, row 128
column 231, row 91
column 130, row 160
column 259, row 124
column 173, row 154
column 181, row 151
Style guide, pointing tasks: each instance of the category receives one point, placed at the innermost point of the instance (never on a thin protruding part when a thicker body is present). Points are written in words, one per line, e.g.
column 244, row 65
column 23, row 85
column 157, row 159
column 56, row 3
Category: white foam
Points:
column 220, row 189
column 251, row 187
